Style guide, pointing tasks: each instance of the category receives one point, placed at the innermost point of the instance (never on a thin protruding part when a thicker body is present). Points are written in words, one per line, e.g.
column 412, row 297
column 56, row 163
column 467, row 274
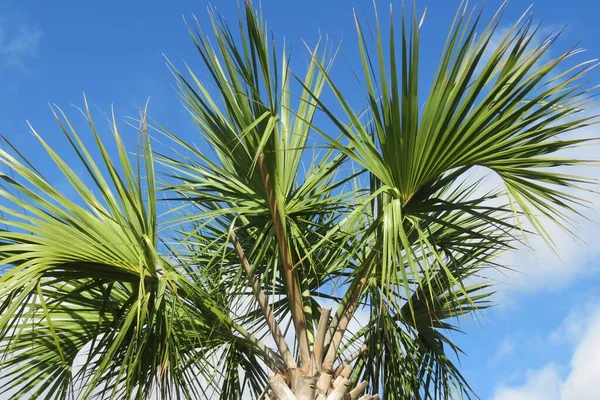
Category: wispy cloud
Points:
column 18, row 44
column 575, row 324
column 581, row 374
column 506, row 348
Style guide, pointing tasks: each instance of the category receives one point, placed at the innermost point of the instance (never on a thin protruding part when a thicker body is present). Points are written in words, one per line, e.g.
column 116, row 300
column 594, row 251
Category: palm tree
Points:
column 297, row 216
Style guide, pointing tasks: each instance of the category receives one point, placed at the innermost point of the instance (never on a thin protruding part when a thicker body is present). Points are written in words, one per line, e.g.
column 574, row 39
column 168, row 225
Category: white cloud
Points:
column 543, row 384
column 574, row 326
column 582, row 381
column 582, row 373
column 17, row 44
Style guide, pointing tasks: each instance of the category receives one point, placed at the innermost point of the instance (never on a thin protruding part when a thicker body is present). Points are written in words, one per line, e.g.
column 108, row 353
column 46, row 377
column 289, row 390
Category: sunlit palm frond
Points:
column 90, row 307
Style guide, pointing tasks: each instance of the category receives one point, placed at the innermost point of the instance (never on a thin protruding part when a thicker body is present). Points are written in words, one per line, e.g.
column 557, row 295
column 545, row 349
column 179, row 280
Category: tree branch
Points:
column 263, row 302
column 351, row 358
column 339, row 391
column 319, row 348
column 343, row 317
column 280, row 389
column 289, row 277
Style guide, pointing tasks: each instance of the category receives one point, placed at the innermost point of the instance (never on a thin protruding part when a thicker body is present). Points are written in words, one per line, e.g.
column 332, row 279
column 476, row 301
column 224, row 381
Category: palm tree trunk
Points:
column 319, row 380
column 322, row 386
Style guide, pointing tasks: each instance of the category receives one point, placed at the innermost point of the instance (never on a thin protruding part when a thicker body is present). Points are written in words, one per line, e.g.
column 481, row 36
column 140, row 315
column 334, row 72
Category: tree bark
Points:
column 263, row 302
column 318, row 387
column 280, row 389
column 289, row 276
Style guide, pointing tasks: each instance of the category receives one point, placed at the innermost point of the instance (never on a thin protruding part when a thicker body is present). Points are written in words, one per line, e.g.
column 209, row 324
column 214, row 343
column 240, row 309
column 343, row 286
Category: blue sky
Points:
column 541, row 339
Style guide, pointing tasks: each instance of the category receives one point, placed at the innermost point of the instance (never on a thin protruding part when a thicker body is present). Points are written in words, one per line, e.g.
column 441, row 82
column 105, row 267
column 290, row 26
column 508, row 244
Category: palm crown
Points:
column 235, row 296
